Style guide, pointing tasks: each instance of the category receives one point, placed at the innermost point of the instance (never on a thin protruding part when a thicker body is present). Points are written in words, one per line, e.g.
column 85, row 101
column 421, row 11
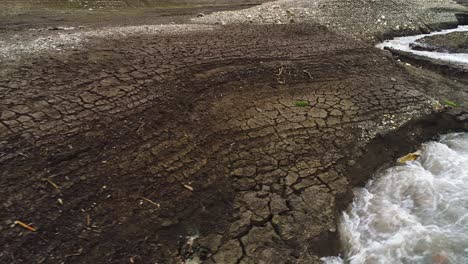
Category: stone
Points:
column 230, row 252
column 318, row 113
column 7, row 115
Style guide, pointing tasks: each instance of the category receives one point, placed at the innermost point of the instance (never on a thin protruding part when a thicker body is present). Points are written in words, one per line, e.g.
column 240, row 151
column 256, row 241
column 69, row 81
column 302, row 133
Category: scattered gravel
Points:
column 278, row 12
column 41, row 40
column 363, row 18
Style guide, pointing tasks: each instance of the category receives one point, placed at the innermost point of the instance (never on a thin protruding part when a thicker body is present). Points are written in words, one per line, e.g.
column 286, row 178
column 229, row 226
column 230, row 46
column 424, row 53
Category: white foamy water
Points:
column 413, row 213
column 402, row 43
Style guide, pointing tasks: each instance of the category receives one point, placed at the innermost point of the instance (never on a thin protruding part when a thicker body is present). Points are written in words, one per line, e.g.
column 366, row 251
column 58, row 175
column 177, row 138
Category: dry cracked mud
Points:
column 234, row 145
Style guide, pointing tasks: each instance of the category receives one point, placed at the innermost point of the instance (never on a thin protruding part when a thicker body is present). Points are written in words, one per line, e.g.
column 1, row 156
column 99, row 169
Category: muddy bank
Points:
column 452, row 70
column 436, row 51
column 133, row 146
column 456, row 42
column 221, row 132
column 225, row 143
column 383, row 151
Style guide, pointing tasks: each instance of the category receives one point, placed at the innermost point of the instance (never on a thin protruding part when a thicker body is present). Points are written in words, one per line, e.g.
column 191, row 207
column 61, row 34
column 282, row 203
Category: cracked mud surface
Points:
column 122, row 150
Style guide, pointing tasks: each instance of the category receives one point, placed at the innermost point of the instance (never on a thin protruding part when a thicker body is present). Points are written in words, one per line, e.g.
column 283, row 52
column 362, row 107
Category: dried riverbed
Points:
column 214, row 143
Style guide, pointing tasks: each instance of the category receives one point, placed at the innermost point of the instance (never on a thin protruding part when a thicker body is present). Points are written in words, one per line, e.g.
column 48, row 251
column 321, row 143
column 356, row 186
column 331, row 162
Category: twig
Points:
column 22, row 154
column 280, row 71
column 75, row 254
column 140, row 128
column 308, row 74
column 52, row 183
column 188, row 187
column 151, row 202
column 30, row 228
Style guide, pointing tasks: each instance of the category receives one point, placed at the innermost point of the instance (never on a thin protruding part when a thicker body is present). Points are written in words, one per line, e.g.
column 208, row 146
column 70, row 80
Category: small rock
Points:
column 169, row 222
column 7, row 114
column 188, row 187
column 7, row 204
column 200, row 15
column 230, row 252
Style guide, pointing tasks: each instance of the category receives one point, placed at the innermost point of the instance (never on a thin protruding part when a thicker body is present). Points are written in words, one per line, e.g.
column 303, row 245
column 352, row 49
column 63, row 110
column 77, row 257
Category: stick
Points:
column 188, row 187
column 52, row 183
column 30, row 228
column 151, row 202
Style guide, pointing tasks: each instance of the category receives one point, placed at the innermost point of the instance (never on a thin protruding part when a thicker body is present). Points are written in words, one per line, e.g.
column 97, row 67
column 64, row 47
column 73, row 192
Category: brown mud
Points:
column 121, row 151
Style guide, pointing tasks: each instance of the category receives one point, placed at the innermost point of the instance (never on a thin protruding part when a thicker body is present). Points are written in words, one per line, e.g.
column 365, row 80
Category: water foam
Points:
column 413, row 213
column 403, row 44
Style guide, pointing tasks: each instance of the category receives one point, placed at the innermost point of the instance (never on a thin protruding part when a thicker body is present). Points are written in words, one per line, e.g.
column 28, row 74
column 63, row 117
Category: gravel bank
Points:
column 366, row 18
column 456, row 42
column 60, row 39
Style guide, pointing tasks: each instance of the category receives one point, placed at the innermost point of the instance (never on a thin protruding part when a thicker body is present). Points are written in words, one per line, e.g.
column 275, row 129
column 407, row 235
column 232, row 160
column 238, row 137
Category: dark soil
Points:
column 153, row 12
column 120, row 151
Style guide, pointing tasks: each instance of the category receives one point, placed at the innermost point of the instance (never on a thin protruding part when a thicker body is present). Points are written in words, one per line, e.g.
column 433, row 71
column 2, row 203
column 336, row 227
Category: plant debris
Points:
column 52, row 183
column 151, row 202
column 302, row 103
column 450, row 103
column 410, row 157
column 30, row 228
column 188, row 187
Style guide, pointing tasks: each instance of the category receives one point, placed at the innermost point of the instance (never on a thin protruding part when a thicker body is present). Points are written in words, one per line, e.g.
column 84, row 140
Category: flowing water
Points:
column 413, row 213
column 403, row 44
